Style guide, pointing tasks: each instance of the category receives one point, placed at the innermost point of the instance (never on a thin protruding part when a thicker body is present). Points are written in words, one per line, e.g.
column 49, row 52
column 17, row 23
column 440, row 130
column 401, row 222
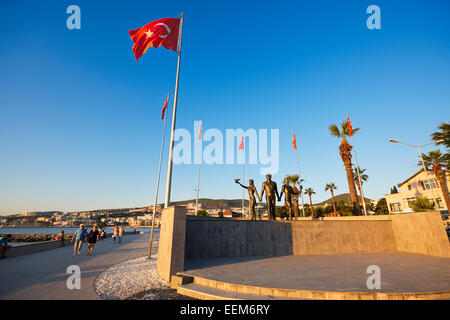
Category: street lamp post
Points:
column 417, row 147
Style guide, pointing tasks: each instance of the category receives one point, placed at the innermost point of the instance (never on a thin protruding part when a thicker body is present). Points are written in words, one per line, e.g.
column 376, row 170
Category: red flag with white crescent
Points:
column 162, row 32
column 241, row 145
column 294, row 142
column 200, row 131
column 349, row 125
column 163, row 111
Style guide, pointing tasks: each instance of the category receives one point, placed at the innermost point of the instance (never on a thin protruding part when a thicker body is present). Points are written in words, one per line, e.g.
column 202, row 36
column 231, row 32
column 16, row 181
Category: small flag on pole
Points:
column 241, row 145
column 162, row 32
column 200, row 131
column 294, row 142
column 163, row 111
column 349, row 125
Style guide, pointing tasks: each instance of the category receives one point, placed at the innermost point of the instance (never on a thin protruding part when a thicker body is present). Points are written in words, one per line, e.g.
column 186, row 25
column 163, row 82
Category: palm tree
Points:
column 310, row 192
column 362, row 178
column 442, row 137
column 294, row 178
column 345, row 151
column 435, row 160
column 331, row 186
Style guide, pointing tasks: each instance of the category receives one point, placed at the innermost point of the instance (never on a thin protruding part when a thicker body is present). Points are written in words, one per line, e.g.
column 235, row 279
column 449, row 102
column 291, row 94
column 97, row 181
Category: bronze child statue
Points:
column 288, row 195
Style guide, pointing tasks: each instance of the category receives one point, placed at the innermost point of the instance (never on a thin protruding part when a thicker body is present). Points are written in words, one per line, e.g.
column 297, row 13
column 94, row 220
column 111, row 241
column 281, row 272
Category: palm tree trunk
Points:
column 440, row 175
column 312, row 209
column 332, row 199
column 345, row 152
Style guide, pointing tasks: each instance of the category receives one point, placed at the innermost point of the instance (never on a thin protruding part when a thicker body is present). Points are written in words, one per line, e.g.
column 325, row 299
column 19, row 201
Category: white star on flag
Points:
column 149, row 33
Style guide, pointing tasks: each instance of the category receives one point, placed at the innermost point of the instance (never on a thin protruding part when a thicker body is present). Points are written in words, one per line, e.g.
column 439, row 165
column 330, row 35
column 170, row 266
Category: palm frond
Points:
column 334, row 130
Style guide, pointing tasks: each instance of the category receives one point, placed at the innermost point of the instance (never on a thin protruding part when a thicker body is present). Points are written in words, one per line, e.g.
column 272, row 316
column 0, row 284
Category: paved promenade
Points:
column 42, row 275
column 400, row 272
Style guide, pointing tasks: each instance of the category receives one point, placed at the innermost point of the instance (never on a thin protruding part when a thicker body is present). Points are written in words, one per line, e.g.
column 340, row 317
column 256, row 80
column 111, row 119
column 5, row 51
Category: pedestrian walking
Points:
column 120, row 233
column 101, row 233
column 4, row 246
column 92, row 237
column 79, row 236
column 115, row 233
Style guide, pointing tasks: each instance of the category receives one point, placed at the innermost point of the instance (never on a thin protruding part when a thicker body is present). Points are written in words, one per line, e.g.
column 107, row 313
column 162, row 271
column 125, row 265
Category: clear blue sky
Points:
column 80, row 120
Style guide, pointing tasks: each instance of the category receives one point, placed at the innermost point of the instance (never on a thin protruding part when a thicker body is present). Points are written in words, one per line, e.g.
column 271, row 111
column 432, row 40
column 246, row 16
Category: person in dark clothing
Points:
column 92, row 236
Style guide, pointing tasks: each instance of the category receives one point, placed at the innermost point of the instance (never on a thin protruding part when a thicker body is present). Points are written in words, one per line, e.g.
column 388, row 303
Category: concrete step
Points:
column 201, row 292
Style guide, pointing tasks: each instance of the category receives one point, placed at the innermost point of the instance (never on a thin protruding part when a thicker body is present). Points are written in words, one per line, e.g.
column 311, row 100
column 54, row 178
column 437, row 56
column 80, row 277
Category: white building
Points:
column 421, row 184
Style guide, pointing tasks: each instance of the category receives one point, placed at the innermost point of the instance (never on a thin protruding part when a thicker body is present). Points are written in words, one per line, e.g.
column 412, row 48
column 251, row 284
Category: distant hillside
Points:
column 340, row 197
column 215, row 203
column 228, row 203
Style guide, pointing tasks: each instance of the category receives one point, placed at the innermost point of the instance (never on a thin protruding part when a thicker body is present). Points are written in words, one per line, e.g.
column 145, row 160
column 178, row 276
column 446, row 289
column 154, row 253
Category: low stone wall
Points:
column 342, row 236
column 215, row 237
column 421, row 233
column 34, row 247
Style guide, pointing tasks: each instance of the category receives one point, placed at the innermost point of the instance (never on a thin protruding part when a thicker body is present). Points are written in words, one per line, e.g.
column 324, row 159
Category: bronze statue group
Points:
column 269, row 187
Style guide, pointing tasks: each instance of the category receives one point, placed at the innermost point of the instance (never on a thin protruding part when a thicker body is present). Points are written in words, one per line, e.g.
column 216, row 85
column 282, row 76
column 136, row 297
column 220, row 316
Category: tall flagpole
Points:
column 197, row 190
column 243, row 181
column 300, row 182
column 243, row 192
column 198, row 179
column 357, row 165
column 172, row 134
column 157, row 185
column 359, row 178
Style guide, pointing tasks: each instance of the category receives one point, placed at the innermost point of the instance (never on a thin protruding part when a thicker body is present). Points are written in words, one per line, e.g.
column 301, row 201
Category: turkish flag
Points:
column 163, row 111
column 162, row 32
column 200, row 131
column 349, row 125
column 241, row 145
column 294, row 142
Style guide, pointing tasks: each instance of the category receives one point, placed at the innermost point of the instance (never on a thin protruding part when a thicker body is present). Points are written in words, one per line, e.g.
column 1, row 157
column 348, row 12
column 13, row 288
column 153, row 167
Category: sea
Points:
column 52, row 230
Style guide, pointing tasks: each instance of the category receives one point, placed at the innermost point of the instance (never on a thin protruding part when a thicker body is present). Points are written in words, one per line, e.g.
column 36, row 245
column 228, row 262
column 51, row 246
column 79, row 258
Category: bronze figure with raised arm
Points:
column 270, row 187
column 251, row 195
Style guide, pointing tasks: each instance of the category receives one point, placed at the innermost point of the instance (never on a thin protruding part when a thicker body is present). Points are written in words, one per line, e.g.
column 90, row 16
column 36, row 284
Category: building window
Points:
column 428, row 184
column 409, row 187
column 395, row 207
column 433, row 183
column 439, row 203
column 409, row 200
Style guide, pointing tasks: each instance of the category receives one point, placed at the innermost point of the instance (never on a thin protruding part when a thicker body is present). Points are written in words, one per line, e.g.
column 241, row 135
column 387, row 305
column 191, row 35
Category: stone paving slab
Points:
column 400, row 272
column 42, row 275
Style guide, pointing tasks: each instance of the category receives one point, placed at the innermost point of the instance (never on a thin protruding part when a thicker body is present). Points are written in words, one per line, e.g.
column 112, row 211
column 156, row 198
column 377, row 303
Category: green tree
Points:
column 422, row 204
column 310, row 192
column 319, row 212
column 345, row 152
column 331, row 186
column 371, row 207
column 202, row 213
column 382, row 207
column 344, row 209
column 281, row 211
